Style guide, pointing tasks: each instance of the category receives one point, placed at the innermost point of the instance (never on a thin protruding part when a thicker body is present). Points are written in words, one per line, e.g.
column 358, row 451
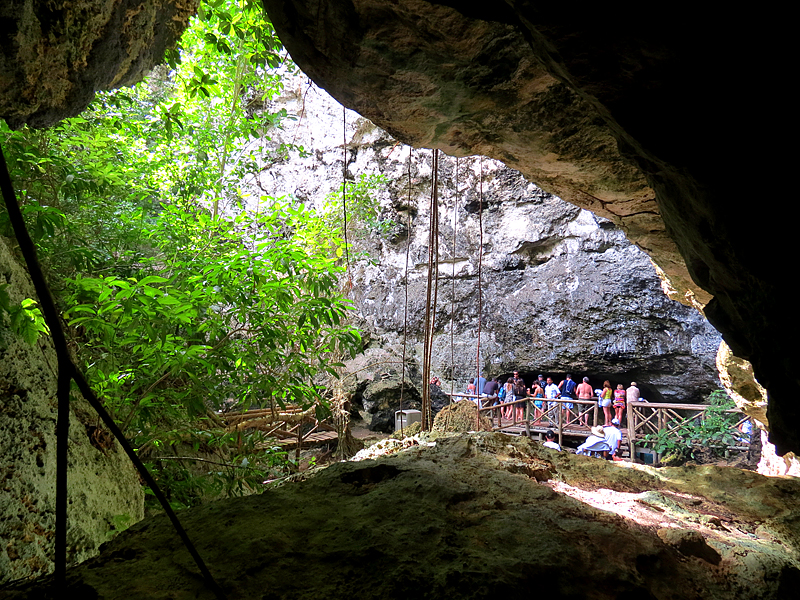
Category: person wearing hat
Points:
column 551, row 442
column 613, row 437
column 596, row 442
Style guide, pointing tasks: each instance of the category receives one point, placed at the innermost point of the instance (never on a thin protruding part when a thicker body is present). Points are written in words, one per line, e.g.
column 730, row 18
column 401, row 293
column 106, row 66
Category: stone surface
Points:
column 104, row 490
column 561, row 289
column 630, row 122
column 472, row 516
column 55, row 55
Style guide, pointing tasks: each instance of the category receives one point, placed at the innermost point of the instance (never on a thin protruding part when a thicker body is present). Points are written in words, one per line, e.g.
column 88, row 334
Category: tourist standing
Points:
column 605, row 401
column 619, row 401
column 584, row 392
column 551, row 392
column 507, row 411
column 520, row 391
column 491, row 390
column 567, row 387
column 538, row 393
column 632, row 393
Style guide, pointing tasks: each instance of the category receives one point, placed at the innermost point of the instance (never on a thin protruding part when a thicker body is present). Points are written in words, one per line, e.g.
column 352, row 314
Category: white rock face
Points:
column 561, row 289
column 104, row 490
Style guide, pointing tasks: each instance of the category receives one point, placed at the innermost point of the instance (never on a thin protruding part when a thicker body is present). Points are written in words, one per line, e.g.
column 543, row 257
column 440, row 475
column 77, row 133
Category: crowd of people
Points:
column 493, row 392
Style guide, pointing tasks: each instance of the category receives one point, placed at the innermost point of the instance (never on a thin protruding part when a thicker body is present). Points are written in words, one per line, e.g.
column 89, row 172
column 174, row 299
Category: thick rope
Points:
column 453, row 303
column 405, row 312
column 67, row 371
column 430, row 295
column 344, row 199
column 480, row 291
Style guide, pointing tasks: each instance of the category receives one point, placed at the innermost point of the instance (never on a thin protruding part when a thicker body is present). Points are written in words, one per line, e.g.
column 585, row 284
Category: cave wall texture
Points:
column 667, row 123
column 104, row 491
column 55, row 54
column 642, row 118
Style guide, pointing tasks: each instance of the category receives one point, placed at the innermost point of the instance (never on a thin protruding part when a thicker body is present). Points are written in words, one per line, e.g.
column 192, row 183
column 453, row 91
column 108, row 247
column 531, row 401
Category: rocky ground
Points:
column 473, row 516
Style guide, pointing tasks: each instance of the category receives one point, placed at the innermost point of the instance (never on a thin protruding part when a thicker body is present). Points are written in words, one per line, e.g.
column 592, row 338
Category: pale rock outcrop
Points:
column 736, row 375
column 104, row 490
column 561, row 289
column 474, row 516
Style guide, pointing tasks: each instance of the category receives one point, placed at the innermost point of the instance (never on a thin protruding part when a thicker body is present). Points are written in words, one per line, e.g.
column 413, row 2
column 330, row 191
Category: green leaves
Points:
column 25, row 319
column 176, row 309
column 709, row 430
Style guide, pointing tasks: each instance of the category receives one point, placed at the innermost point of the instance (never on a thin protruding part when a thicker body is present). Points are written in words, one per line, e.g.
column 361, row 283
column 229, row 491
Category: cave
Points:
column 631, row 123
column 642, row 125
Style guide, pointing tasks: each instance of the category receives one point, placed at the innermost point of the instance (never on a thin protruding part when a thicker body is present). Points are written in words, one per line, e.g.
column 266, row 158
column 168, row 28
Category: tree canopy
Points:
column 180, row 302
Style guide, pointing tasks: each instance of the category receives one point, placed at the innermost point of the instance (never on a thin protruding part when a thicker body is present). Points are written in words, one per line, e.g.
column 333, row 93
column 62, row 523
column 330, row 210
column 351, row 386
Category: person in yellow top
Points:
column 605, row 401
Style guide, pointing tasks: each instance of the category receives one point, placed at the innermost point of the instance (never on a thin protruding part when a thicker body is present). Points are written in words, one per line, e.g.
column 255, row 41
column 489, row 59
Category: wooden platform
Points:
column 315, row 439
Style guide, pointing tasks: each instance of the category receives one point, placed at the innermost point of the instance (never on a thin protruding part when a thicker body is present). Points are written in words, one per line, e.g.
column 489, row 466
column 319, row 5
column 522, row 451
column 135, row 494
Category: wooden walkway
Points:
column 639, row 420
column 292, row 427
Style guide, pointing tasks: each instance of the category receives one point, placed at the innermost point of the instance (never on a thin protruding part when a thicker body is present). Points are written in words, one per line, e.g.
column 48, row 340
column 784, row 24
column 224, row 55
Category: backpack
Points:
column 502, row 394
column 569, row 387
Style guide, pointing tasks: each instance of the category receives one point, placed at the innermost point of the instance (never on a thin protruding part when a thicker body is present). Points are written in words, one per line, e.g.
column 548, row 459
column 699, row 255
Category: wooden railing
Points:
column 650, row 418
column 643, row 418
column 287, row 425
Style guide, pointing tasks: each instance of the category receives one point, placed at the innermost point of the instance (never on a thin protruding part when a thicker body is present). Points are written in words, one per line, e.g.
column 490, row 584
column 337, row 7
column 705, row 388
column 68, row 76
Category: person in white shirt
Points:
column 550, row 436
column 551, row 392
column 595, row 442
column 613, row 436
column 632, row 393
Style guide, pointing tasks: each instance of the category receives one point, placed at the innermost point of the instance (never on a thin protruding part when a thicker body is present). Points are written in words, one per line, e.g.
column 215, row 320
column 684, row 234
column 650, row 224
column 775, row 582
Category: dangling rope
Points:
column 344, row 199
column 405, row 313
column 453, row 304
column 432, row 290
column 69, row 371
column 480, row 291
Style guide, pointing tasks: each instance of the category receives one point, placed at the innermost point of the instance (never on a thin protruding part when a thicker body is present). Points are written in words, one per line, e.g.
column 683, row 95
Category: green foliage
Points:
column 711, row 431
column 363, row 207
column 214, row 319
column 179, row 306
column 25, row 319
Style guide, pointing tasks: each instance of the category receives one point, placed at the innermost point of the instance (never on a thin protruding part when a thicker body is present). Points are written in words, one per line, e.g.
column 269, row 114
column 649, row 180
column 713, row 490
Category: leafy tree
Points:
column 710, row 431
column 181, row 304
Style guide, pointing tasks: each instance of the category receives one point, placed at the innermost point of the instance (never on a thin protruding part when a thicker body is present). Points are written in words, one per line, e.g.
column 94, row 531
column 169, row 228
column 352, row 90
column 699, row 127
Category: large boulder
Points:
column 104, row 492
column 628, row 120
column 474, row 516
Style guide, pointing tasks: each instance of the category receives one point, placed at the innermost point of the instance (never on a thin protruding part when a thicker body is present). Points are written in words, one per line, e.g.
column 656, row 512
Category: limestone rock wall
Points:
column 562, row 290
column 56, row 54
column 104, row 490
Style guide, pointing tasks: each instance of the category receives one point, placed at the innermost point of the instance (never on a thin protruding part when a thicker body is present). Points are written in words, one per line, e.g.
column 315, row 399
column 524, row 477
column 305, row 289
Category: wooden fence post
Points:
column 632, row 431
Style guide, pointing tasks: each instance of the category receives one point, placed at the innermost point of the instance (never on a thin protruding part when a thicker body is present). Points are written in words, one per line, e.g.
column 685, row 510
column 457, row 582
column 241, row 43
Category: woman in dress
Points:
column 605, row 401
column 508, row 411
column 619, row 401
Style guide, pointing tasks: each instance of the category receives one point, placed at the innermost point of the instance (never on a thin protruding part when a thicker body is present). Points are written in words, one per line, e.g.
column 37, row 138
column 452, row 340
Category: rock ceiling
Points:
column 661, row 122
